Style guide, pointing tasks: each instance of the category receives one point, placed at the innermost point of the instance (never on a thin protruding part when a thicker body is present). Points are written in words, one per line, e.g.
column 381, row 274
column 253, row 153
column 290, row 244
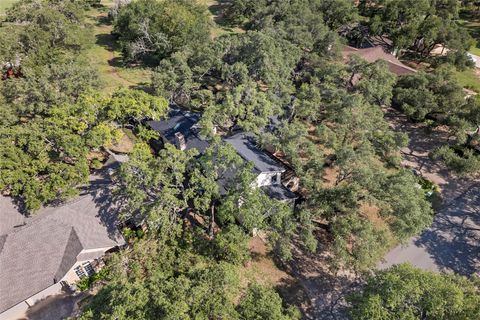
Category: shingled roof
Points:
column 37, row 254
column 377, row 53
column 183, row 122
column 247, row 148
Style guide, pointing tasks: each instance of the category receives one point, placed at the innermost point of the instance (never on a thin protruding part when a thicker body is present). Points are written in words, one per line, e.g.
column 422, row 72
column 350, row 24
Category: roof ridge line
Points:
column 74, row 234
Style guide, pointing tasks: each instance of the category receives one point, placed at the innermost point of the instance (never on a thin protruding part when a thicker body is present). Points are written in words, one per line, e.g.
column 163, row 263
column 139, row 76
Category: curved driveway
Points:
column 452, row 243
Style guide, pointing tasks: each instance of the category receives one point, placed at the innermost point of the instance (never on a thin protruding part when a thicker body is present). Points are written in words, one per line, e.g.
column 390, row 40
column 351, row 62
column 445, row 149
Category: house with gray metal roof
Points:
column 43, row 254
column 269, row 170
column 181, row 129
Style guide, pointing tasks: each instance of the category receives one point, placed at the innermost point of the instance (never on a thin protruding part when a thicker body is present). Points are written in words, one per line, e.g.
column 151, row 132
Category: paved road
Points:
column 475, row 59
column 452, row 243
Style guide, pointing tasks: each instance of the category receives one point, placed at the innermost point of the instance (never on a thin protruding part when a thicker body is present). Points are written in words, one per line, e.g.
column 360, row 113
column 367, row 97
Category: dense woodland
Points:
column 286, row 64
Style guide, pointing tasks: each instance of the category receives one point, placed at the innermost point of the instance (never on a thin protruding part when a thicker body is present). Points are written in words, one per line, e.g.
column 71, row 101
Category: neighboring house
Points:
column 181, row 130
column 269, row 171
column 44, row 254
column 377, row 53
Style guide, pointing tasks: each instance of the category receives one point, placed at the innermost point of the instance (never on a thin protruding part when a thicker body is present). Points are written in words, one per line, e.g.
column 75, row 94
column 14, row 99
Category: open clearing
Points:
column 4, row 4
column 106, row 57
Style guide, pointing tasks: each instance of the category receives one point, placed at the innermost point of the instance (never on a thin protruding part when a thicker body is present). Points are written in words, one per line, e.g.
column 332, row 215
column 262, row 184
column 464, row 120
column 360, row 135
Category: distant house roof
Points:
column 35, row 255
column 279, row 192
column 377, row 53
column 184, row 123
column 247, row 148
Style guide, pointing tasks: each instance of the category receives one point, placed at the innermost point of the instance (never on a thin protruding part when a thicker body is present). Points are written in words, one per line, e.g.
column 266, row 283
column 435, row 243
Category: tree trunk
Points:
column 212, row 221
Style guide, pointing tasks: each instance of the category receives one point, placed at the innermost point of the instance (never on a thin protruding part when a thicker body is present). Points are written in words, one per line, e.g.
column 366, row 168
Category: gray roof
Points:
column 9, row 215
column 183, row 122
column 247, row 148
column 35, row 255
column 279, row 192
column 95, row 227
column 31, row 259
column 72, row 249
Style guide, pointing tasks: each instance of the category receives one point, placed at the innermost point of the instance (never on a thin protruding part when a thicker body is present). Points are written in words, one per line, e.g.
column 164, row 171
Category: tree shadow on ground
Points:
column 144, row 86
column 453, row 240
column 106, row 41
column 56, row 307
column 218, row 12
column 294, row 294
column 318, row 290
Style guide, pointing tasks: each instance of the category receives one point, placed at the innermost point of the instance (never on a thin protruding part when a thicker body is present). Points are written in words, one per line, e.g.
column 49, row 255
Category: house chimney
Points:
column 180, row 141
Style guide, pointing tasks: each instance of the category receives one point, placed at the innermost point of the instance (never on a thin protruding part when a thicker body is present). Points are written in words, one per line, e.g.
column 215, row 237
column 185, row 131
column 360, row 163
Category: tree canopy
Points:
column 47, row 157
column 156, row 280
column 215, row 185
column 153, row 30
column 405, row 292
column 417, row 25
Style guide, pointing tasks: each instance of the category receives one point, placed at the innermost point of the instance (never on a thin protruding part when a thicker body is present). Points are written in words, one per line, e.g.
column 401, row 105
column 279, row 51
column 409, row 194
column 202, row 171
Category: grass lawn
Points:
column 4, row 4
column 107, row 59
column 469, row 79
column 218, row 27
column 475, row 50
column 473, row 26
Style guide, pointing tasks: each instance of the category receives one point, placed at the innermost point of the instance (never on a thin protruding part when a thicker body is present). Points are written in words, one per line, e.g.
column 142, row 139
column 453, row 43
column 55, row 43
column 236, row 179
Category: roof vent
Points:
column 180, row 141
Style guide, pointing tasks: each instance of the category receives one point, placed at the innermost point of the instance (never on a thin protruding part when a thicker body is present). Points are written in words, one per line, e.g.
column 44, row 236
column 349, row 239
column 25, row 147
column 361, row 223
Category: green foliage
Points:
column 360, row 147
column 250, row 73
column 135, row 104
column 462, row 160
column 375, row 80
column 45, row 157
column 87, row 282
column 405, row 292
column 150, row 29
column 303, row 22
column 152, row 188
column 244, row 107
column 242, row 11
column 254, row 209
column 158, row 189
column 45, row 85
column 338, row 13
column 172, row 281
column 131, row 235
column 50, row 30
column 427, row 186
column 424, row 94
column 231, row 245
column 408, row 210
column 367, row 247
column 438, row 96
column 418, row 25
column 260, row 303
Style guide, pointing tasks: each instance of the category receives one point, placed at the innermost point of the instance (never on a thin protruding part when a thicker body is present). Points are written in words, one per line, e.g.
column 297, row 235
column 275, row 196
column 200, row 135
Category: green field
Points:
column 472, row 24
column 475, row 50
column 4, row 4
column 469, row 79
column 105, row 57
